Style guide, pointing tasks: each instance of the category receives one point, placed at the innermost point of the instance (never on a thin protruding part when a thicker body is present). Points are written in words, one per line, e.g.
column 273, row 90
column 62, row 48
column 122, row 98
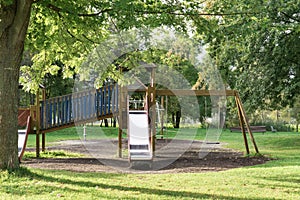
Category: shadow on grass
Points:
column 284, row 181
column 163, row 193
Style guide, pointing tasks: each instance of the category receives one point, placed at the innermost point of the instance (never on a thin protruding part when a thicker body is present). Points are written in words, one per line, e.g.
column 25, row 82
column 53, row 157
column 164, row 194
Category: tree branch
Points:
column 194, row 13
column 290, row 17
column 54, row 8
column 21, row 19
column 73, row 36
column 58, row 9
column 94, row 14
column 36, row 1
column 86, row 37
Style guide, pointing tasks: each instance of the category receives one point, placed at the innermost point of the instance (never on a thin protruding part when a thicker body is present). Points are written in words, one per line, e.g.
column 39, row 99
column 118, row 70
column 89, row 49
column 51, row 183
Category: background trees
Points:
column 256, row 47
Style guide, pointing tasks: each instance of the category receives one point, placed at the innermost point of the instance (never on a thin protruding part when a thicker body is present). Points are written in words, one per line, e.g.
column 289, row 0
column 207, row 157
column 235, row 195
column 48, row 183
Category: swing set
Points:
column 127, row 118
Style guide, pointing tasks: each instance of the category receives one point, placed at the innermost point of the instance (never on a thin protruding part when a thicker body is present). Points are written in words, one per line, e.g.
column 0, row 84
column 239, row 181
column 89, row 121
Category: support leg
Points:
column 242, row 126
column 43, row 142
column 243, row 115
column 120, row 142
column 37, row 136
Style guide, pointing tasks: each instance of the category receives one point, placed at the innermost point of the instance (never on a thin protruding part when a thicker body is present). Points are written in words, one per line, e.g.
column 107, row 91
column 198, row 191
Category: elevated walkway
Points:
column 78, row 108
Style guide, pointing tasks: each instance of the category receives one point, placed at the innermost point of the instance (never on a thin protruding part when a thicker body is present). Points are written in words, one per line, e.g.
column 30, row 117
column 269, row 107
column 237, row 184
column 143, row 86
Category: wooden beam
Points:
column 183, row 92
column 58, row 128
column 179, row 92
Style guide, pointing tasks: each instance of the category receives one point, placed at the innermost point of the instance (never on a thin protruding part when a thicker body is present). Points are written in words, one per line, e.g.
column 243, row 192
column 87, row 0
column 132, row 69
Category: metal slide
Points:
column 22, row 139
column 139, row 148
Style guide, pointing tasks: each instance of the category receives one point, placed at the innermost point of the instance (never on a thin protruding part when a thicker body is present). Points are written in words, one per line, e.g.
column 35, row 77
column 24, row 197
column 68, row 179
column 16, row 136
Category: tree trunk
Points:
column 176, row 119
column 173, row 119
column 13, row 27
column 114, row 122
column 178, row 116
column 105, row 122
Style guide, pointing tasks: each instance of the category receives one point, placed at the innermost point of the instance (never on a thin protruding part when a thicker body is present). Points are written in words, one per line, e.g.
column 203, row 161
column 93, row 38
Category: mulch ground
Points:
column 187, row 160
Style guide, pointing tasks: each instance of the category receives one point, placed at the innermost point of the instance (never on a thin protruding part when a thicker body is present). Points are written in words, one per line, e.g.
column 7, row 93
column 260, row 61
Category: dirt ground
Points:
column 182, row 157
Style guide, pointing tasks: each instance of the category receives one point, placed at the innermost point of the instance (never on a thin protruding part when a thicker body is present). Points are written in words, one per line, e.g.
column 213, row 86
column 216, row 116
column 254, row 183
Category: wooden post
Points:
column 43, row 142
column 242, row 125
column 123, row 112
column 44, row 118
column 162, row 118
column 37, row 123
column 151, row 107
column 120, row 142
column 37, row 139
column 246, row 122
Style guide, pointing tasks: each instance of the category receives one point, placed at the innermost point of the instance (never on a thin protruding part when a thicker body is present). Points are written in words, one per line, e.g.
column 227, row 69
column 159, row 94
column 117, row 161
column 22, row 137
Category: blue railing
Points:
column 79, row 107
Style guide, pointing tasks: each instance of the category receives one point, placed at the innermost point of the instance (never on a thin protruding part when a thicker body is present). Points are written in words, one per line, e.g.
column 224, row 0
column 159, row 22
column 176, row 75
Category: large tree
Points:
column 256, row 46
column 14, row 20
column 65, row 31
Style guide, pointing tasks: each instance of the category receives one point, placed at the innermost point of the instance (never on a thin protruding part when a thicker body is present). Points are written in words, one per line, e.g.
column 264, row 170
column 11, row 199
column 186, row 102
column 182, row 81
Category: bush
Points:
column 279, row 126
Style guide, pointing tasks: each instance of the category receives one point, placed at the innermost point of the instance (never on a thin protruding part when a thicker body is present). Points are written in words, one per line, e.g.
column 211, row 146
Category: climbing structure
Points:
column 65, row 111
column 111, row 100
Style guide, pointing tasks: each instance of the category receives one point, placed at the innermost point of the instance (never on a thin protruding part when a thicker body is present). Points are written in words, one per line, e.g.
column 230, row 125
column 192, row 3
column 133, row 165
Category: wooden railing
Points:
column 23, row 114
column 79, row 108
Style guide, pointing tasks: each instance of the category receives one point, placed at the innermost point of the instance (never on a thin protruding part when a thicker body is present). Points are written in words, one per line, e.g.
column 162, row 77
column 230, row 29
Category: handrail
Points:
column 79, row 107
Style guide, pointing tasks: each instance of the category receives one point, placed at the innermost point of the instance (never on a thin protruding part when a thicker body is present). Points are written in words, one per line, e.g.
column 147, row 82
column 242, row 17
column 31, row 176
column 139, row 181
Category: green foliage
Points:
column 5, row 2
column 68, row 31
column 256, row 48
column 295, row 113
column 56, row 85
column 61, row 36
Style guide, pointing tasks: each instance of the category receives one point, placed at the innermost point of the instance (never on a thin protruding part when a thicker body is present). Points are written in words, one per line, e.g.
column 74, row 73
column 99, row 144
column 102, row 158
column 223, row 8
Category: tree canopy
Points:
column 67, row 31
column 256, row 47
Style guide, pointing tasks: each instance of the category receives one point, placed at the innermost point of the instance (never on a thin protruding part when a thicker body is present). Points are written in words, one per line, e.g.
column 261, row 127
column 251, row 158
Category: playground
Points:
column 64, row 167
column 139, row 124
column 219, row 159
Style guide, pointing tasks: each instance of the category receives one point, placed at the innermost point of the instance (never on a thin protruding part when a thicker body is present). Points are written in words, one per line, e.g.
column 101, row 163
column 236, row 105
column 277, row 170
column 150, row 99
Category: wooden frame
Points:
column 151, row 92
column 243, row 120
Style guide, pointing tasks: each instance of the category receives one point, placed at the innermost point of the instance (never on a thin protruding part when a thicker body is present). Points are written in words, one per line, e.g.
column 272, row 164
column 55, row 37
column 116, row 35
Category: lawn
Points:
column 277, row 179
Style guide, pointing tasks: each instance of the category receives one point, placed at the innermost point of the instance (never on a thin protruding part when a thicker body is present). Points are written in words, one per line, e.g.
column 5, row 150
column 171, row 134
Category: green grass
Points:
column 96, row 132
column 75, row 133
column 52, row 154
column 277, row 179
column 283, row 147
